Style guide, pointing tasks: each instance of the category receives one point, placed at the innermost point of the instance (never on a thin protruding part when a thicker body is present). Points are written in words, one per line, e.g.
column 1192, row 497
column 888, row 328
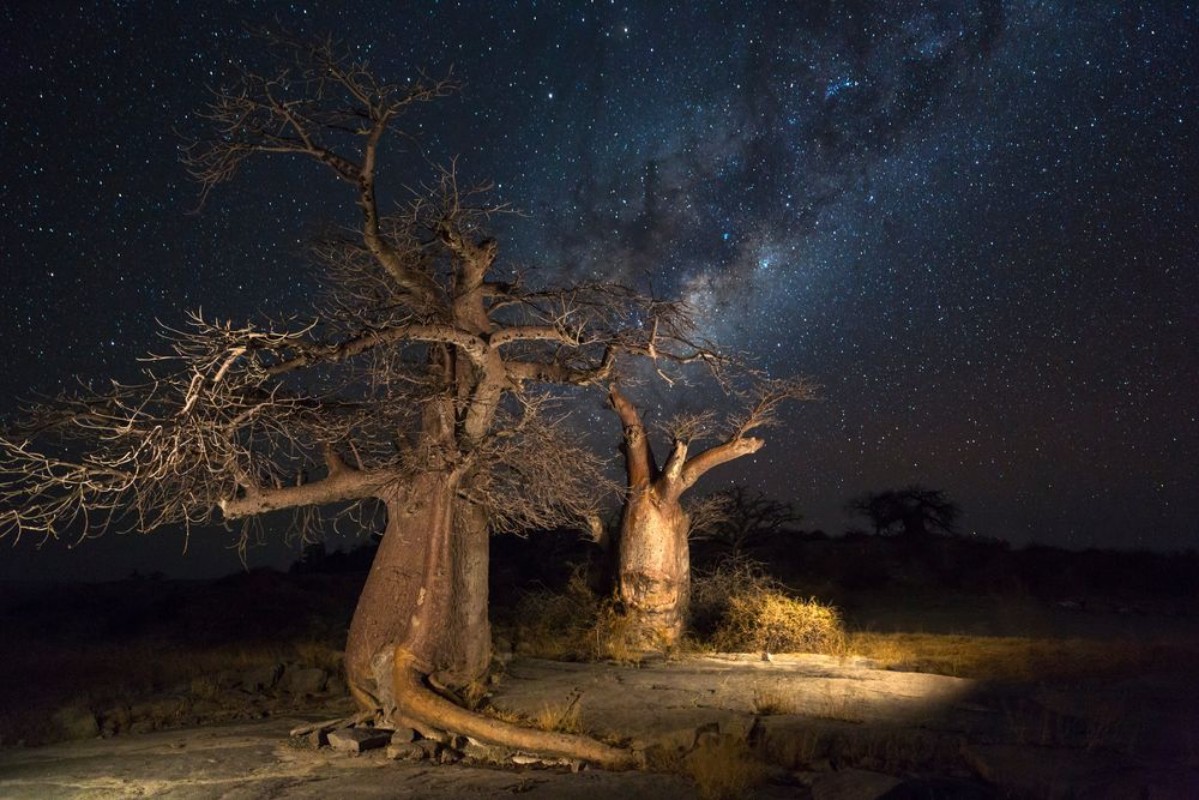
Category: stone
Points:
column 406, row 751
column 403, row 735
column 358, row 740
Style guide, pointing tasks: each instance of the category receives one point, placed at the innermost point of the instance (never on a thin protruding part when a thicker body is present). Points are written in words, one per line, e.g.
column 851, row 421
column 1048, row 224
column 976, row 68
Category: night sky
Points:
column 974, row 223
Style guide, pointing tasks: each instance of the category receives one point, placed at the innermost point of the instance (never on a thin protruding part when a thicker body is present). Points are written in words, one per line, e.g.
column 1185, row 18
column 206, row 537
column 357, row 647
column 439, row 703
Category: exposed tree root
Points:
column 415, row 701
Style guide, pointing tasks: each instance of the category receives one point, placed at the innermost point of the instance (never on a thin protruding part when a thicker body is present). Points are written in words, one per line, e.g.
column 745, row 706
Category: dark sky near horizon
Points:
column 974, row 223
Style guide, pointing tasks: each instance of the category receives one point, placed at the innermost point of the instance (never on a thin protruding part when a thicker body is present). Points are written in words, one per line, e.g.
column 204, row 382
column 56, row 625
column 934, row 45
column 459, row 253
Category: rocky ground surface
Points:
column 813, row 726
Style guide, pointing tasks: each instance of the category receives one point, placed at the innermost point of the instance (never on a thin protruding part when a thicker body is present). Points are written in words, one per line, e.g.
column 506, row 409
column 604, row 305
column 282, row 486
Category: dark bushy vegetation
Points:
column 58, row 636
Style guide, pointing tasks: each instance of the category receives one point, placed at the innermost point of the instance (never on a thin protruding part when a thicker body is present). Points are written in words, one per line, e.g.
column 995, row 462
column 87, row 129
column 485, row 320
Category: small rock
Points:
column 358, row 740
column 403, row 735
column 406, row 751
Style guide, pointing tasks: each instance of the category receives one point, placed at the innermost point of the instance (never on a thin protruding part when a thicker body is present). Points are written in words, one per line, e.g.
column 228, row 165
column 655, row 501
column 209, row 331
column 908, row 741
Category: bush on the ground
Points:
column 737, row 608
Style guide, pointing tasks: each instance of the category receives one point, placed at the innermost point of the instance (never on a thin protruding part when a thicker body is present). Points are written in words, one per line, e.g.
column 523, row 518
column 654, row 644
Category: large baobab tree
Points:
column 413, row 385
column 653, row 554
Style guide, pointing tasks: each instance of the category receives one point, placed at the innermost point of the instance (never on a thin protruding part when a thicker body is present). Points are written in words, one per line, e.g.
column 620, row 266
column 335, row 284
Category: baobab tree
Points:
column 913, row 512
column 653, row 554
column 414, row 384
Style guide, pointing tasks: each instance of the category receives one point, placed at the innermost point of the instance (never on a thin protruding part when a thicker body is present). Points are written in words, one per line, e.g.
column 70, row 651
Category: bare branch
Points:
column 322, row 104
column 340, row 485
column 639, row 456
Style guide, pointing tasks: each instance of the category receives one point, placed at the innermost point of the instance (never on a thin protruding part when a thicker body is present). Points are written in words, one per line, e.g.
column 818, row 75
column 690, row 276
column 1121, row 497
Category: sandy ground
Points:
column 881, row 731
column 257, row 760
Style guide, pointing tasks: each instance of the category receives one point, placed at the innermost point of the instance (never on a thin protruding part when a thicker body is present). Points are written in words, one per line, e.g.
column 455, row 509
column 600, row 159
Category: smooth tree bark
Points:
column 653, row 554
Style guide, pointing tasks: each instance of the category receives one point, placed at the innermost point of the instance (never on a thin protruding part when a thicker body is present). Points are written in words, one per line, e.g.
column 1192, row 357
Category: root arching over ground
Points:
column 413, row 703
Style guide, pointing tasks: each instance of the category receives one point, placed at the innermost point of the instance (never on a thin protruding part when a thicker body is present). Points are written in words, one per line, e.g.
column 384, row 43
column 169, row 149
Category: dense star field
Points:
column 974, row 223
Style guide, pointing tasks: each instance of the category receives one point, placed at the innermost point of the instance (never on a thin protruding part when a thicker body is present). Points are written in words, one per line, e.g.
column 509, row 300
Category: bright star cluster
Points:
column 974, row 222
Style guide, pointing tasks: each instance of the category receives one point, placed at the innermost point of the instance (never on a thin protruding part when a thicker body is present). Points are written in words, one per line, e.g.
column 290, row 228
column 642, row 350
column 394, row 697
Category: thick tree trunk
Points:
column 426, row 592
column 654, row 580
column 422, row 618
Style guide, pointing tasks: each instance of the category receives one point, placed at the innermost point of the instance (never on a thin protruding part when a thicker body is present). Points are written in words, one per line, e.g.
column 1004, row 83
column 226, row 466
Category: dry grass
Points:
column 615, row 637
column 772, row 703
column 564, row 717
column 882, row 749
column 834, row 706
column 558, row 625
column 578, row 624
column 771, row 622
column 474, row 694
column 723, row 768
column 1015, row 659
column 839, row 707
column 737, row 609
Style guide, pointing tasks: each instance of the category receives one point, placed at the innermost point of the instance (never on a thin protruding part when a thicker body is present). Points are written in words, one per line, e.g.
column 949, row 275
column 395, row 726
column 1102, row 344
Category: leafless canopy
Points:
column 737, row 516
column 417, row 358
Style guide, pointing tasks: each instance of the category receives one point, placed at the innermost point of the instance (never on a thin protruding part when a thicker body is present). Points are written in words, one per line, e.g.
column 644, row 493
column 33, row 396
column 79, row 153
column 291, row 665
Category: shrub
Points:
column 576, row 623
column 557, row 624
column 741, row 610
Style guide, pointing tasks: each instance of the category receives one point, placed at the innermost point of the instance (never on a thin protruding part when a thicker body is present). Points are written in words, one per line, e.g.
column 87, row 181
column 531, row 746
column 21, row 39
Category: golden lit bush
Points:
column 738, row 609
column 771, row 622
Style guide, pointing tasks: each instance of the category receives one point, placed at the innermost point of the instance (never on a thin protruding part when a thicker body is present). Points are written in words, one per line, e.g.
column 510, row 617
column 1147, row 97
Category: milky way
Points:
column 974, row 223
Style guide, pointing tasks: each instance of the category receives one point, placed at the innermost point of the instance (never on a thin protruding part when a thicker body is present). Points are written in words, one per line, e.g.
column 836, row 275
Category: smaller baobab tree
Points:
column 653, row 555
column 912, row 513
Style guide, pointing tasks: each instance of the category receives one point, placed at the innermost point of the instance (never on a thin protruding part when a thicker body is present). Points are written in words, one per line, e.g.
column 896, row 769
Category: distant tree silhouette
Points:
column 739, row 516
column 913, row 513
